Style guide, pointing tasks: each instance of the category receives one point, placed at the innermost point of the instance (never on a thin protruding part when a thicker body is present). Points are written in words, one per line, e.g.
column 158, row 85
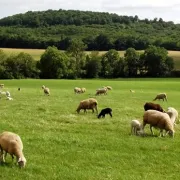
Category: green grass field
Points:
column 36, row 54
column 61, row 144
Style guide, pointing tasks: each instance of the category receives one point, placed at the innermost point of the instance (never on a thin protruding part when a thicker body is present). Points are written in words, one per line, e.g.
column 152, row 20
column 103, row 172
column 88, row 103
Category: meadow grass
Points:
column 36, row 54
column 61, row 144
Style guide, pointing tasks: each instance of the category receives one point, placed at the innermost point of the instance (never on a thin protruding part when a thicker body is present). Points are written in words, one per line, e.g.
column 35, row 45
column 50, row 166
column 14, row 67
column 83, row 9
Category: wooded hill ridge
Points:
column 97, row 30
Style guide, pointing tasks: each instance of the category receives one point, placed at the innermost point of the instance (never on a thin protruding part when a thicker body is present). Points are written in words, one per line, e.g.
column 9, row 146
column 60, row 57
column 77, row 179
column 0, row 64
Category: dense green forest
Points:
column 98, row 31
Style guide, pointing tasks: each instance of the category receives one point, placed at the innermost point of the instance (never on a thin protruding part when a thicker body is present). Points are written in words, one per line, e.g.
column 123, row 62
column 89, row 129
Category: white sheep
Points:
column 161, row 96
column 136, row 127
column 101, row 91
column 77, row 90
column 159, row 120
column 46, row 90
column 11, row 143
column 173, row 114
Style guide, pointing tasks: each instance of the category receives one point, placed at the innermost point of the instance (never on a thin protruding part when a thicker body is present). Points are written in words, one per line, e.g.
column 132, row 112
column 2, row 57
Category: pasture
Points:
column 36, row 54
column 61, row 144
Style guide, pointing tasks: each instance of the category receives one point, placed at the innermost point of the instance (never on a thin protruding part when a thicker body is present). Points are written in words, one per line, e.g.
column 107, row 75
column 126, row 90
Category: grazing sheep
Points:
column 136, row 127
column 90, row 103
column 104, row 112
column 101, row 91
column 161, row 96
column 11, row 143
column 173, row 114
column 153, row 106
column 46, row 90
column 77, row 90
column 159, row 120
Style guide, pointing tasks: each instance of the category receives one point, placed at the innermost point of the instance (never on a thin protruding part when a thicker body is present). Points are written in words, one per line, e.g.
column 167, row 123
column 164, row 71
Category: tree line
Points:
column 75, row 63
column 41, row 29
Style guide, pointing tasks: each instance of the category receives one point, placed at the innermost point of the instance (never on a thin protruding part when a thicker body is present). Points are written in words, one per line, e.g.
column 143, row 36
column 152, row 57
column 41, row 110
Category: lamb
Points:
column 136, row 127
column 11, row 143
column 46, row 90
column 90, row 103
column 104, row 112
column 161, row 96
column 101, row 91
column 149, row 105
column 173, row 114
column 159, row 120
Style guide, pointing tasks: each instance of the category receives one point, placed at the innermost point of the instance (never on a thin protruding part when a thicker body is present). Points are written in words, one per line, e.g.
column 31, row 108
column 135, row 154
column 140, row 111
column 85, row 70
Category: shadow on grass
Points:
column 8, row 164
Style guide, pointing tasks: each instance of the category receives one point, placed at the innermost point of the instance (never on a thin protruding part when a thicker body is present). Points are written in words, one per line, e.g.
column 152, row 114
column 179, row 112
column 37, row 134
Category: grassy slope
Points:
column 36, row 53
column 61, row 144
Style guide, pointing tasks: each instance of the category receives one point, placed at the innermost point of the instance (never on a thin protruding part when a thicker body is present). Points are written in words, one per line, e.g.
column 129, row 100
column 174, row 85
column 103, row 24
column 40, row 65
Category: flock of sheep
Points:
column 155, row 116
column 91, row 103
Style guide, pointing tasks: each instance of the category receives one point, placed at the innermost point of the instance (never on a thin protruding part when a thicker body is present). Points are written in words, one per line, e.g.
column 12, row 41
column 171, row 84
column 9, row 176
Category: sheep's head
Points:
column 43, row 87
column 22, row 162
column 171, row 133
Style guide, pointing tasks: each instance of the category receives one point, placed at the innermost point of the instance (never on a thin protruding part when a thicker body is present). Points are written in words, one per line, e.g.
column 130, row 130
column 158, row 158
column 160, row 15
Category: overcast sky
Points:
column 167, row 10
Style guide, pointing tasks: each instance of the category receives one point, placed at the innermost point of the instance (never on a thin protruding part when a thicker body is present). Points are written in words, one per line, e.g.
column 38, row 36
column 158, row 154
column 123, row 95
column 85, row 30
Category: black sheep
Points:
column 153, row 106
column 104, row 112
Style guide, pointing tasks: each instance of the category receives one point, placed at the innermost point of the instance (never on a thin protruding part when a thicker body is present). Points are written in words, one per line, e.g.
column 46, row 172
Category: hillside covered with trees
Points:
column 98, row 31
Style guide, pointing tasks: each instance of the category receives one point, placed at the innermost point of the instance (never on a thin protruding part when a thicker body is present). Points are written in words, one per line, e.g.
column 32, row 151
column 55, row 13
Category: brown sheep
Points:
column 90, row 103
column 153, row 106
column 161, row 96
column 159, row 120
column 11, row 143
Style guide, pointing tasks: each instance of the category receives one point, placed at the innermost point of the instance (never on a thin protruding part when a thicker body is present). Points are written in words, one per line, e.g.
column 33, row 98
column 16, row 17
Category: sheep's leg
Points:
column 135, row 131
column 96, row 109
column 132, row 130
column 161, row 133
column 1, row 155
column 151, row 130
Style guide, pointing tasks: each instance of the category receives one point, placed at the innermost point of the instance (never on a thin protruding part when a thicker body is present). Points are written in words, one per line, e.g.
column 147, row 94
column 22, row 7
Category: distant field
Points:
column 36, row 54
